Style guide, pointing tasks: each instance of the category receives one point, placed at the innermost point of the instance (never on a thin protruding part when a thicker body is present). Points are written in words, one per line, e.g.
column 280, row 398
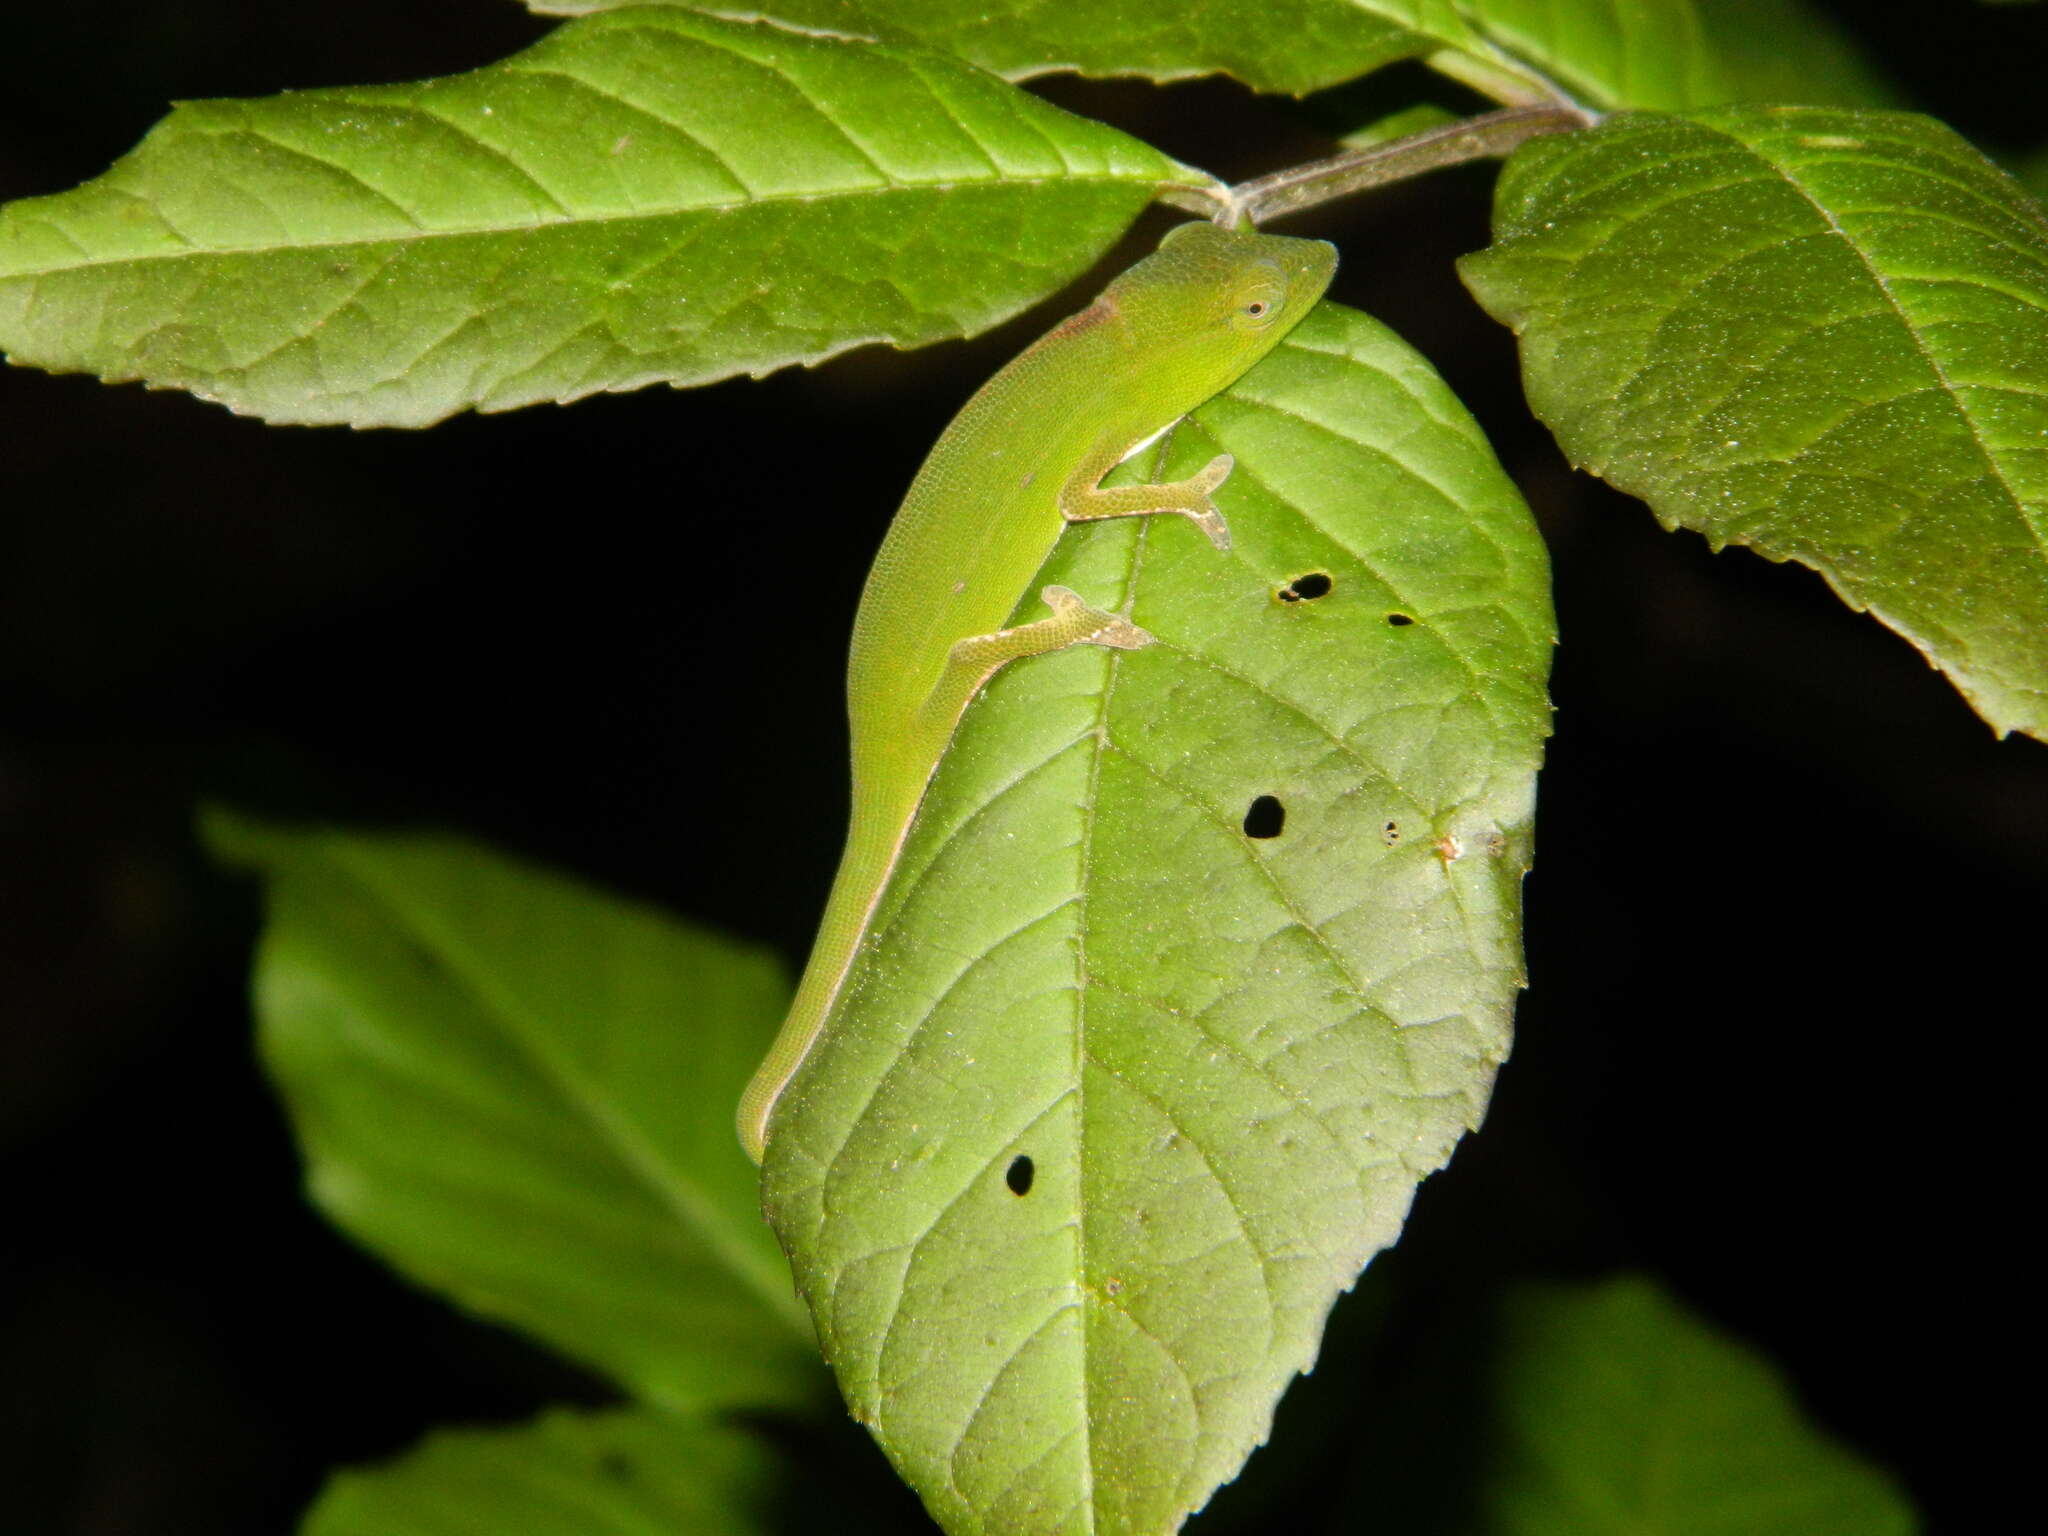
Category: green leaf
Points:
column 1617, row 1410
column 1295, row 46
column 519, row 1091
column 1676, row 54
column 1229, row 1059
column 1790, row 51
column 566, row 1474
column 1823, row 334
column 647, row 196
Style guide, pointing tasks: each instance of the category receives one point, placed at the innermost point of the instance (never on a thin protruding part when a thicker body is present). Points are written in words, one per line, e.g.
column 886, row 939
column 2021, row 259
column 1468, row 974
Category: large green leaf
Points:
column 1123, row 1095
column 1617, row 1410
column 1612, row 53
column 519, row 1091
column 568, row 1474
column 1294, row 46
column 1820, row 333
column 645, row 196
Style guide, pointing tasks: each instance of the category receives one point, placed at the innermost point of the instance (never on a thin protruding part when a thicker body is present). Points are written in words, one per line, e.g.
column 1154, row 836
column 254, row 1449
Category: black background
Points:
column 1783, row 930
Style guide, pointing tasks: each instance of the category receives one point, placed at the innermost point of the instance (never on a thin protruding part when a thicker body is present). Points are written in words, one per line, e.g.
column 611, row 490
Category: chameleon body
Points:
column 1024, row 458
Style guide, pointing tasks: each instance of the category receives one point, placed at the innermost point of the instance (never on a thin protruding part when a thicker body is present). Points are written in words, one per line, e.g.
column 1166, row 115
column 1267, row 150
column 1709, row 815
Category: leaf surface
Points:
column 1611, row 53
column 647, row 196
column 1295, row 46
column 1200, row 957
column 518, row 1090
column 567, row 1474
column 1823, row 334
column 1617, row 1410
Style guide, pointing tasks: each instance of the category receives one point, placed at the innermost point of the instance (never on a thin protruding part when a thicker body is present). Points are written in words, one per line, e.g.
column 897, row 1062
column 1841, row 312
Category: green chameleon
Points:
column 1024, row 458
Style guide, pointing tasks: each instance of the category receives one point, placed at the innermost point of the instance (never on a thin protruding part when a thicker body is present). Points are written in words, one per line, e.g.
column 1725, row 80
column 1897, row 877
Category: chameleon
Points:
column 1024, row 458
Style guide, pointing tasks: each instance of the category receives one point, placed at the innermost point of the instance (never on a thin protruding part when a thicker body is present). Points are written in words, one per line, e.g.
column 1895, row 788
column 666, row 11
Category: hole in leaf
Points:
column 1020, row 1175
column 1304, row 589
column 1400, row 620
column 1265, row 818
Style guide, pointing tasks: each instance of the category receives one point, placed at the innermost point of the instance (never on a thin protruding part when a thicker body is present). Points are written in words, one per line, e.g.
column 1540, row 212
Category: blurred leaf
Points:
column 1617, row 1410
column 1792, row 52
column 2032, row 172
column 566, row 1474
column 519, row 1091
column 1123, row 1094
column 1823, row 334
column 1612, row 53
column 643, row 197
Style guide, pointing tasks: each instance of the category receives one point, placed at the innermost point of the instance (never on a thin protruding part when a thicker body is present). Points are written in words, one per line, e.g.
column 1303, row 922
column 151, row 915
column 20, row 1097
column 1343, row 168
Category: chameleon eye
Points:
column 1256, row 304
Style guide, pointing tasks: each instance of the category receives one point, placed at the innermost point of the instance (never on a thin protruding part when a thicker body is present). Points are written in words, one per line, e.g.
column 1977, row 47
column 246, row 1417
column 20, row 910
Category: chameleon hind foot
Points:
column 1073, row 622
column 1087, row 626
column 973, row 661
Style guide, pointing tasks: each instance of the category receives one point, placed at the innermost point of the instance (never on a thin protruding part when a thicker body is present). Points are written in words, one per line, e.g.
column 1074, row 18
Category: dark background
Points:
column 1783, row 932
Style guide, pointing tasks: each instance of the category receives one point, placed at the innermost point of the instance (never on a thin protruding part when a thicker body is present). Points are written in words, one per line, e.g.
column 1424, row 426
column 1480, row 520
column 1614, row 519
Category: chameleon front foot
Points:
column 1190, row 498
column 1205, row 516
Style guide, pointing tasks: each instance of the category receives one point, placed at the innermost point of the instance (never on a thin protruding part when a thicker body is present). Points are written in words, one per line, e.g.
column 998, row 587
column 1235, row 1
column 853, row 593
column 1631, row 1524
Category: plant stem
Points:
column 1321, row 181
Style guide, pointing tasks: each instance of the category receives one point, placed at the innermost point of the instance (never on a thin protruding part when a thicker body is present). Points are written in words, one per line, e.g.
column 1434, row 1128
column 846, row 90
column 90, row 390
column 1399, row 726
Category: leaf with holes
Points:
column 643, row 197
column 519, row 1091
column 1820, row 333
column 567, row 1474
column 1614, row 1409
column 1199, row 958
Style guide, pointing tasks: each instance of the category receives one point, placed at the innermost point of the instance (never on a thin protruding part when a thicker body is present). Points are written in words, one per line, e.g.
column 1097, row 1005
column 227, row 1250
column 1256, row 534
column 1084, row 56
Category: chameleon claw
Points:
column 1110, row 629
column 1210, row 521
column 1206, row 517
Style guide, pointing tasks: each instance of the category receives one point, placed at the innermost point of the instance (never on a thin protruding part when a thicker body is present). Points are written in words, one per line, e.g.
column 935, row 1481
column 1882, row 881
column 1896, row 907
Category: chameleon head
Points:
column 1214, row 301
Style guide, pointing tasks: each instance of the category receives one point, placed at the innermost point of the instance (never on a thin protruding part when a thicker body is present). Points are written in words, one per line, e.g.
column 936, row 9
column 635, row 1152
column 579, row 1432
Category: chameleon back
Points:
column 984, row 511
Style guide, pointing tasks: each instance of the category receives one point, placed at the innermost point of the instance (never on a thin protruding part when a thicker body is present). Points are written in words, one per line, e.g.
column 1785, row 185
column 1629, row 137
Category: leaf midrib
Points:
column 507, row 230
column 1994, row 471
